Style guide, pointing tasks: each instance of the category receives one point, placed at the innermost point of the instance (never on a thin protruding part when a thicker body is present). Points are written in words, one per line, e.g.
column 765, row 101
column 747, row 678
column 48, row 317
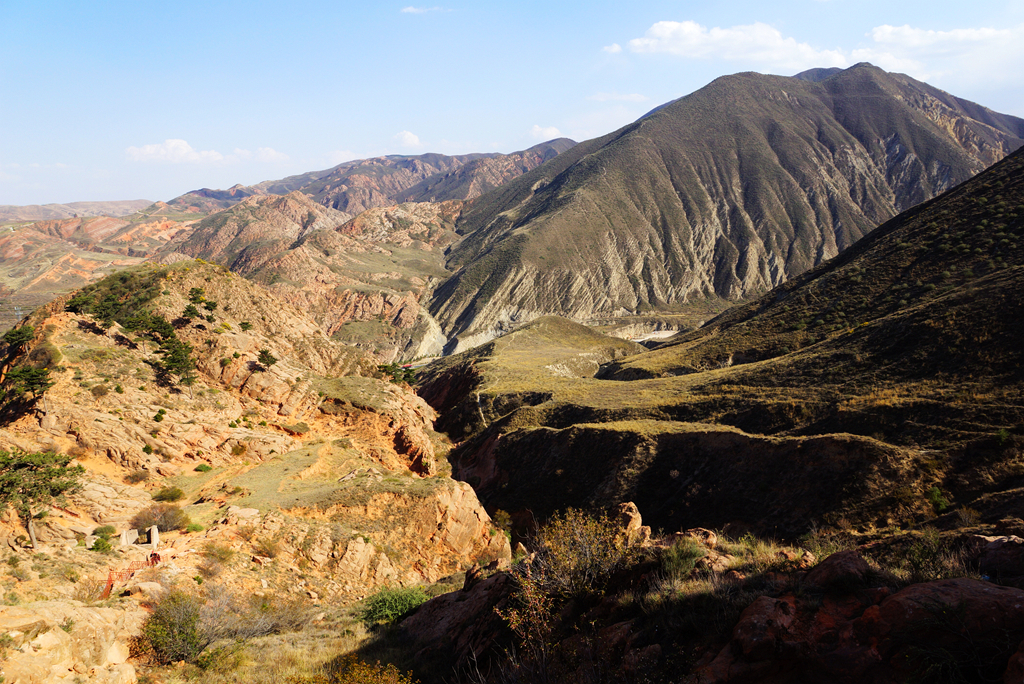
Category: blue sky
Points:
column 109, row 100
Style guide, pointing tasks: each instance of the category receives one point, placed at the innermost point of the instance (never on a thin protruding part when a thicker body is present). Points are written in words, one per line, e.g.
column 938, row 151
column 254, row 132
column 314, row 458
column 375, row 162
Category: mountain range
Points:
column 822, row 483
column 723, row 194
column 356, row 186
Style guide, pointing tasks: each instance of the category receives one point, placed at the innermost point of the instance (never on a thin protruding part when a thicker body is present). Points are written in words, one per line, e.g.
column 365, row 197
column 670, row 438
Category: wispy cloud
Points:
column 617, row 97
column 544, row 133
column 973, row 54
column 262, row 154
column 423, row 10
column 407, row 139
column 959, row 58
column 758, row 43
column 173, row 151
column 177, row 151
column 614, row 48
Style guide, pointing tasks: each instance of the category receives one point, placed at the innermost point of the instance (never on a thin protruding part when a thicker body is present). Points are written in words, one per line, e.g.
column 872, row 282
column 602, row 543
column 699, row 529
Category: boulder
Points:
column 452, row 629
column 1002, row 559
column 842, row 571
column 55, row 640
column 632, row 524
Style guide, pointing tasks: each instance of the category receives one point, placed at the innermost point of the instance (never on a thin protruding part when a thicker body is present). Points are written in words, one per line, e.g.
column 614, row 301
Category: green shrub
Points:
column 119, row 389
column 203, row 468
column 147, row 449
column 388, row 605
column 169, row 494
column 502, row 520
column 937, row 500
column 679, row 560
column 165, row 516
column 268, row 547
column 105, row 531
column 102, row 545
column 99, row 391
column 193, row 527
column 173, row 631
column 183, row 624
column 577, row 553
column 225, row 362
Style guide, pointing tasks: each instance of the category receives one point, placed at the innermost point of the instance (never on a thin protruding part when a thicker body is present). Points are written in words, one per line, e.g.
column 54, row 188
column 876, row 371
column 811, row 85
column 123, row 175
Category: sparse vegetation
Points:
column 165, row 516
column 169, row 494
column 389, row 604
column 184, row 624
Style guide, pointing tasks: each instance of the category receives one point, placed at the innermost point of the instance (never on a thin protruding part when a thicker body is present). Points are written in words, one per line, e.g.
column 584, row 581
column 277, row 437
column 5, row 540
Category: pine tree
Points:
column 17, row 338
column 32, row 480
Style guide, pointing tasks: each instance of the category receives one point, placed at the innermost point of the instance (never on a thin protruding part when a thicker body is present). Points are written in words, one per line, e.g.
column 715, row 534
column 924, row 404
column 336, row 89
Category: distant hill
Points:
column 47, row 258
column 356, row 186
column 45, row 212
column 361, row 278
column 721, row 194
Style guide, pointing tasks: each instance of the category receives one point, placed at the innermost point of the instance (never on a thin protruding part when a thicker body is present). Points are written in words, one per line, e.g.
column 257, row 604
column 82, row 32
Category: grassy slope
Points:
column 910, row 341
column 657, row 213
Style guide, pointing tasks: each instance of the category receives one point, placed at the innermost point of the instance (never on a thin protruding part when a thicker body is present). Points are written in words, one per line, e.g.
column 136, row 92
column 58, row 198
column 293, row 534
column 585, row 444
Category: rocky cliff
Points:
column 304, row 464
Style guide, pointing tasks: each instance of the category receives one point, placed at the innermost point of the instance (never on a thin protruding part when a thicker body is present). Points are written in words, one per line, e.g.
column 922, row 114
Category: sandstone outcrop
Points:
column 61, row 641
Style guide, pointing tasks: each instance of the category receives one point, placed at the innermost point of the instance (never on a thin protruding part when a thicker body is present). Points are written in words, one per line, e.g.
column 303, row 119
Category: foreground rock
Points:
column 58, row 641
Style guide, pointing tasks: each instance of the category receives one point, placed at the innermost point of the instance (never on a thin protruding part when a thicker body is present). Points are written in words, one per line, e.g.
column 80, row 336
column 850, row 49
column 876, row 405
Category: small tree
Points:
column 178, row 360
column 266, row 359
column 23, row 380
column 17, row 338
column 31, row 481
column 191, row 312
column 195, row 295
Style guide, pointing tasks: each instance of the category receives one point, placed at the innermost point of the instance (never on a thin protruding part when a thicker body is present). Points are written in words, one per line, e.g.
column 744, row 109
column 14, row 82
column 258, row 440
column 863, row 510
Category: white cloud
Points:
column 908, row 37
column 960, row 59
column 335, row 157
column 614, row 48
column 422, row 10
column 407, row 139
column 269, row 154
column 173, row 151
column 618, row 97
column 758, row 43
column 262, row 154
column 548, row 133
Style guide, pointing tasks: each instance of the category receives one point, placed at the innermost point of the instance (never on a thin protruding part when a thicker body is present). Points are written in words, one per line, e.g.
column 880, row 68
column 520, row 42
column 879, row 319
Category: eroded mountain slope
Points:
column 724, row 193
column 890, row 372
